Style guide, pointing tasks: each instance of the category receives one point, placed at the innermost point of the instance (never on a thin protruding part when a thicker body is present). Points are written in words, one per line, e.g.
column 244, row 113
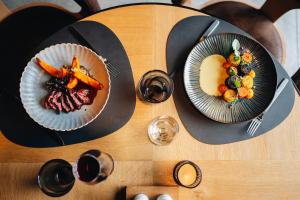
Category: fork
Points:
column 256, row 122
column 113, row 70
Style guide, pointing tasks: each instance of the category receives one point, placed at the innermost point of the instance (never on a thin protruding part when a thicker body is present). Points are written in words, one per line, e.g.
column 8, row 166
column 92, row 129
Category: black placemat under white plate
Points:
column 183, row 37
column 19, row 128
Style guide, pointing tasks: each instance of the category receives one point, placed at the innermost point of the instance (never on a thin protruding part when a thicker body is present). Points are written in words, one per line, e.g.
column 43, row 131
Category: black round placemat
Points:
column 19, row 128
column 183, row 37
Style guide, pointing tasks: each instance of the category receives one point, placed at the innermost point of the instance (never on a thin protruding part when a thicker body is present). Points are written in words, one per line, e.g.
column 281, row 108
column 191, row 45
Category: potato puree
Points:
column 212, row 74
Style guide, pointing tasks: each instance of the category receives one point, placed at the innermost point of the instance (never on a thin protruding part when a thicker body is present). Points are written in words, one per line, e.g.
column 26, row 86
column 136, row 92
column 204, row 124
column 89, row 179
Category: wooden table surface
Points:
column 265, row 167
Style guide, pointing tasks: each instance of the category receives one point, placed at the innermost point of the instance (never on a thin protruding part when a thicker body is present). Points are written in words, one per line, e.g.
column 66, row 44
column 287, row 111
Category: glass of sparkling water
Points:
column 162, row 130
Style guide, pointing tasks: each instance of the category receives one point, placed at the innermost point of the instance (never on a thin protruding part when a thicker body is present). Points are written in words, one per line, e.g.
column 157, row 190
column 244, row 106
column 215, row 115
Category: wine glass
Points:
column 57, row 177
column 93, row 166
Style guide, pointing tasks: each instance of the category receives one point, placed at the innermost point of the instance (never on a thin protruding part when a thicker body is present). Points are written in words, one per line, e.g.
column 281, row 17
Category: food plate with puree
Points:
column 230, row 78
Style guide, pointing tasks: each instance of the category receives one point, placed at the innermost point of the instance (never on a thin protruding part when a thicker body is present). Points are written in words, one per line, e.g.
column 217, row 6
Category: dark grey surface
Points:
column 19, row 128
column 184, row 35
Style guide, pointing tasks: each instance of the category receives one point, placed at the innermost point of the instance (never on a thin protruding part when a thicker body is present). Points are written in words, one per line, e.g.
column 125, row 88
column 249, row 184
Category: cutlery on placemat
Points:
column 212, row 27
column 209, row 30
column 256, row 122
column 113, row 70
column 296, row 81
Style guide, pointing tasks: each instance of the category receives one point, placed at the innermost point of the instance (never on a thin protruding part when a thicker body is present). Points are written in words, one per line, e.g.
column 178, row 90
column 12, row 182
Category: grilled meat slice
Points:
column 74, row 99
column 56, row 101
column 65, row 107
column 69, row 102
column 49, row 100
column 46, row 104
column 83, row 95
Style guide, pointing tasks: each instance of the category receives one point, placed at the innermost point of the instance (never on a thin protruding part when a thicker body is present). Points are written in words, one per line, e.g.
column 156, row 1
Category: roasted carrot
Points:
column 72, row 82
column 243, row 92
column 87, row 80
column 75, row 63
column 59, row 73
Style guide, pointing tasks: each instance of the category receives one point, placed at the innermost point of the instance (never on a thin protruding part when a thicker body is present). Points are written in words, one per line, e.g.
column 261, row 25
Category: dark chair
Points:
column 257, row 22
column 25, row 28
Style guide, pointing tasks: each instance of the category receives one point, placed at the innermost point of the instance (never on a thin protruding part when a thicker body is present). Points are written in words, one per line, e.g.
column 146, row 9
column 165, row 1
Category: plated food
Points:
column 240, row 81
column 68, row 79
column 69, row 87
column 230, row 78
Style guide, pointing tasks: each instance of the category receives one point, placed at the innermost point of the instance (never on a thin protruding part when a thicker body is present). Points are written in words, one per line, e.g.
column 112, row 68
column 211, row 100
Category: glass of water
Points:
column 155, row 86
column 162, row 130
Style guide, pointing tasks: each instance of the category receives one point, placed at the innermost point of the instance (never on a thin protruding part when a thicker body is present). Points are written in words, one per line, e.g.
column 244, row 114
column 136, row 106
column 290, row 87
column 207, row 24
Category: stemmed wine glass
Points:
column 93, row 166
column 57, row 176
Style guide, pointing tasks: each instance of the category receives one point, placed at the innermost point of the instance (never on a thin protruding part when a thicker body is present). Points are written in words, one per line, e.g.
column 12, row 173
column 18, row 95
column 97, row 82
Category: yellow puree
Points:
column 212, row 74
column 187, row 174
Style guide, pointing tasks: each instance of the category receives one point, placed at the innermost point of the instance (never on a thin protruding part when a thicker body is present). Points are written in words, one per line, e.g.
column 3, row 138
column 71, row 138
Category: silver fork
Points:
column 256, row 122
column 113, row 70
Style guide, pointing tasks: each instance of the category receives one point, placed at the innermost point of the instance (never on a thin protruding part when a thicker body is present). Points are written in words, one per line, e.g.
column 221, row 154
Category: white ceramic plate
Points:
column 33, row 92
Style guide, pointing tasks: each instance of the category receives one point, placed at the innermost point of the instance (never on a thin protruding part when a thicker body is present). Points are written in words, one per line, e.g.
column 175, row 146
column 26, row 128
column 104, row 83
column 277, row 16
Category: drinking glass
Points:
column 155, row 86
column 162, row 130
column 55, row 178
column 93, row 166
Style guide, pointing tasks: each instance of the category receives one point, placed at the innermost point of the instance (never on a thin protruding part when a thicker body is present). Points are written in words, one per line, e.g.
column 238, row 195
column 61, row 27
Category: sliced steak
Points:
column 56, row 101
column 49, row 100
column 69, row 102
column 83, row 95
column 65, row 107
column 74, row 99
column 46, row 104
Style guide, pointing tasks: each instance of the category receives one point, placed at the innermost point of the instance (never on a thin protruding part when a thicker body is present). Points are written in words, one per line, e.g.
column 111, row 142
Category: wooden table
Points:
column 265, row 167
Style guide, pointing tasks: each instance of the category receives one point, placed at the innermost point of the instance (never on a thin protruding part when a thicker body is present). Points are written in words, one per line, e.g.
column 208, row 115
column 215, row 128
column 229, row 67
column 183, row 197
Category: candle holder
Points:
column 198, row 176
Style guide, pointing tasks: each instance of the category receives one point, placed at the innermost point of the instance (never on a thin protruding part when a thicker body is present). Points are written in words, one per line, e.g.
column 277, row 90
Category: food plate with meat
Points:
column 65, row 87
column 230, row 78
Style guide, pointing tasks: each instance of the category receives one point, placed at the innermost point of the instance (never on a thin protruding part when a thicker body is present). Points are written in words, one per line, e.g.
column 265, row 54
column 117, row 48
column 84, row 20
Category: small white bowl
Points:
column 32, row 90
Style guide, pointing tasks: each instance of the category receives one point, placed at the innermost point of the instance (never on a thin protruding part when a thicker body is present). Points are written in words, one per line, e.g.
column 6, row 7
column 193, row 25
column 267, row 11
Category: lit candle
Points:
column 187, row 174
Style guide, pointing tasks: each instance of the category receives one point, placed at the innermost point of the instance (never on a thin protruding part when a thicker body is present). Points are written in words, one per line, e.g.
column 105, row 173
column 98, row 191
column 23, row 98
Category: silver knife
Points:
column 210, row 30
column 256, row 122
column 277, row 93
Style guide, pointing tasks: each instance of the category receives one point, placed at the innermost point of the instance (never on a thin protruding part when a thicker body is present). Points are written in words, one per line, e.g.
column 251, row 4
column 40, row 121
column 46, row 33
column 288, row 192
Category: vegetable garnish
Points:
column 87, row 80
column 239, row 85
column 74, row 73
column 58, row 73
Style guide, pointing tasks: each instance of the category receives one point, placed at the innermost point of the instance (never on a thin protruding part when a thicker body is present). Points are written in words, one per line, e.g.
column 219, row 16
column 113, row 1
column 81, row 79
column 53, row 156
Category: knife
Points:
column 212, row 27
column 210, row 30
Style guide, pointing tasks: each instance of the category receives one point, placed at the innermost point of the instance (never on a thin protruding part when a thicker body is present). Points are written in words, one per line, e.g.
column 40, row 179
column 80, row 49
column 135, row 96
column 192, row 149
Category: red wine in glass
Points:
column 93, row 166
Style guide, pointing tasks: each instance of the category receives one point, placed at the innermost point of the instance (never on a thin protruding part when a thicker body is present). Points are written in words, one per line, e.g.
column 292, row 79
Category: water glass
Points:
column 155, row 86
column 56, row 178
column 162, row 130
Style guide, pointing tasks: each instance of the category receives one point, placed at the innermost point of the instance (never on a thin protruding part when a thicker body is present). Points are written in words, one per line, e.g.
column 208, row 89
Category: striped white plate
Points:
column 216, row 108
column 32, row 87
